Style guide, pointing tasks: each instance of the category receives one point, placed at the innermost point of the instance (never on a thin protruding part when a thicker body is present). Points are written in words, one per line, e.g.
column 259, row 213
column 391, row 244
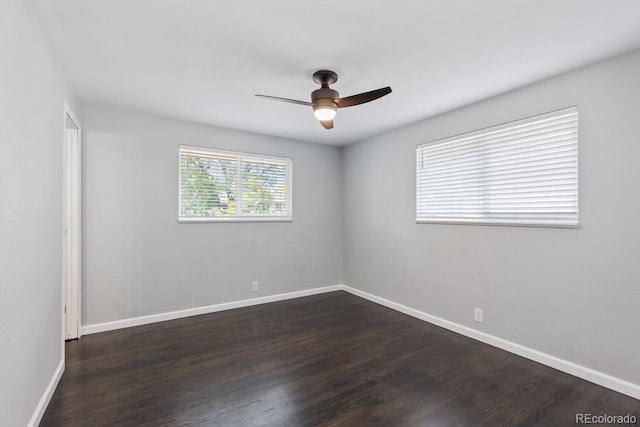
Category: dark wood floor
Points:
column 326, row 360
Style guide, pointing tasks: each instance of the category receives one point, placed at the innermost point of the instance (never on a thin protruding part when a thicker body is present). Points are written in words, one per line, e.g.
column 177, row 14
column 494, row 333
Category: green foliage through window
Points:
column 223, row 184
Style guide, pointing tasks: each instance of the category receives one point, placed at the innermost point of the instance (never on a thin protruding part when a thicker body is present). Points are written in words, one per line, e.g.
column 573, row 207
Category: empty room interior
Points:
column 340, row 214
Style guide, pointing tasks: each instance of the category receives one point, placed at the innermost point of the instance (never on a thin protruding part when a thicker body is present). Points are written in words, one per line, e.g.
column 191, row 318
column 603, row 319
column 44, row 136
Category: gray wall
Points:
column 570, row 293
column 32, row 95
column 138, row 260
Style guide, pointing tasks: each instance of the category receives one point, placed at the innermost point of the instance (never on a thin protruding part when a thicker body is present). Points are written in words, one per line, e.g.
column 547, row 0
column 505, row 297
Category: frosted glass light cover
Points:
column 325, row 113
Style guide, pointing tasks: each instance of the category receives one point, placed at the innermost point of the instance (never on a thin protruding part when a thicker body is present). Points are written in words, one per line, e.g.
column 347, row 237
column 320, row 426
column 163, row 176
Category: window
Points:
column 519, row 173
column 220, row 185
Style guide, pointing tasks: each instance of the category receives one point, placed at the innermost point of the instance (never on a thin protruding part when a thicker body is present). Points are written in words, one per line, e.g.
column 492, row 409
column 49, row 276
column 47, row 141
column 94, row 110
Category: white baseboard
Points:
column 46, row 396
column 172, row 315
column 571, row 368
column 600, row 378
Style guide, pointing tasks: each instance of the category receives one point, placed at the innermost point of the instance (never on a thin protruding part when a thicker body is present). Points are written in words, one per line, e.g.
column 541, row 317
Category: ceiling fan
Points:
column 325, row 101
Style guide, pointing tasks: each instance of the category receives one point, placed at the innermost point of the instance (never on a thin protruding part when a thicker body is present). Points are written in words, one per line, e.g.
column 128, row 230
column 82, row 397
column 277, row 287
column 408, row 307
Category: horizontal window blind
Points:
column 226, row 185
column 519, row 173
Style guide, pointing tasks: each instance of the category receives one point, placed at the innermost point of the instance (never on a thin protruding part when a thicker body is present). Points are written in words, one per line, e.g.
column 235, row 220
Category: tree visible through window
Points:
column 218, row 185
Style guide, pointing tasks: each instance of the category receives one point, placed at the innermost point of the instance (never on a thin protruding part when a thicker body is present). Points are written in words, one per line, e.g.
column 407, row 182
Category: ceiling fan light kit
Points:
column 324, row 109
column 325, row 101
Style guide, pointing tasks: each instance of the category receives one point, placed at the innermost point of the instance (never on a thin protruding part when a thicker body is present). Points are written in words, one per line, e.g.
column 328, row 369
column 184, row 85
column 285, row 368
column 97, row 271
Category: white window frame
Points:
column 241, row 156
column 482, row 199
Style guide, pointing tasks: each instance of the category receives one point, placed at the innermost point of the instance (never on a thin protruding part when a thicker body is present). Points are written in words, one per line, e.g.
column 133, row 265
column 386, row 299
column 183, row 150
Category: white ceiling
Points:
column 203, row 61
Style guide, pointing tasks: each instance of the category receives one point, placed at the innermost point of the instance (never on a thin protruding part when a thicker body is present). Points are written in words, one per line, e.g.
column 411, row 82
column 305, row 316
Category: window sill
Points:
column 499, row 223
column 235, row 219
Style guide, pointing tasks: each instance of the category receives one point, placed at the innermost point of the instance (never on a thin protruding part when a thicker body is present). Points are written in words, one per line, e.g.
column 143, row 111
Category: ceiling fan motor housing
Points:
column 324, row 93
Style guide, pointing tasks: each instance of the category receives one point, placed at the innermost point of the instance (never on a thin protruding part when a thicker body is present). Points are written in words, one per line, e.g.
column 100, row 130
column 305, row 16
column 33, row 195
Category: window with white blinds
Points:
column 519, row 173
column 217, row 185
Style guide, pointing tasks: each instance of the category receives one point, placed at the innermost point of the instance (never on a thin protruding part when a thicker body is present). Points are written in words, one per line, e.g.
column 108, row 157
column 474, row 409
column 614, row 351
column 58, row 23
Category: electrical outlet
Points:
column 478, row 315
column 255, row 286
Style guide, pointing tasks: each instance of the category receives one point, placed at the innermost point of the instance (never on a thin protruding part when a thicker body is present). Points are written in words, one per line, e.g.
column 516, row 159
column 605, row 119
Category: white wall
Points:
column 32, row 96
column 569, row 293
column 138, row 260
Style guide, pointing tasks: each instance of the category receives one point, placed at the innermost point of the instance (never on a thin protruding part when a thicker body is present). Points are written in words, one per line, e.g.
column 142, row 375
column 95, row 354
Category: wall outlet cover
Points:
column 478, row 315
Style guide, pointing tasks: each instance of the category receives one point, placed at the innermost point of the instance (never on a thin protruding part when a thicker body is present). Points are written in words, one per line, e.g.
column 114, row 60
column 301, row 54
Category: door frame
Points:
column 72, row 227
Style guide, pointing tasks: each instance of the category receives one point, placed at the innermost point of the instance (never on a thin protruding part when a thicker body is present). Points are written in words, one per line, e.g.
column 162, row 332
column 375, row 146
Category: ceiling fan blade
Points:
column 327, row 124
column 293, row 101
column 361, row 98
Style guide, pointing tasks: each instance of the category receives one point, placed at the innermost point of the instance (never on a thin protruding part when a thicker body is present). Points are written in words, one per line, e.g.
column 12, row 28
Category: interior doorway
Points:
column 72, row 227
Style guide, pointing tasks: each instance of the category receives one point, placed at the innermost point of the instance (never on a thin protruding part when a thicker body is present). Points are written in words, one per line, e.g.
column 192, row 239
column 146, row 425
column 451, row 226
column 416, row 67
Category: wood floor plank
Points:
column 326, row 360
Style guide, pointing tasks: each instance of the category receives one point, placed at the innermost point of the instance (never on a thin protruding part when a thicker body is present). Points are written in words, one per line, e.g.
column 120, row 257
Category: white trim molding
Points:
column 591, row 375
column 72, row 228
column 172, row 315
column 46, row 396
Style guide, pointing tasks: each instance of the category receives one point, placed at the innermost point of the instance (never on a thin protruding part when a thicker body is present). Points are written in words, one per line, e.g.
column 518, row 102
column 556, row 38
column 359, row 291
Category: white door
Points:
column 72, row 227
